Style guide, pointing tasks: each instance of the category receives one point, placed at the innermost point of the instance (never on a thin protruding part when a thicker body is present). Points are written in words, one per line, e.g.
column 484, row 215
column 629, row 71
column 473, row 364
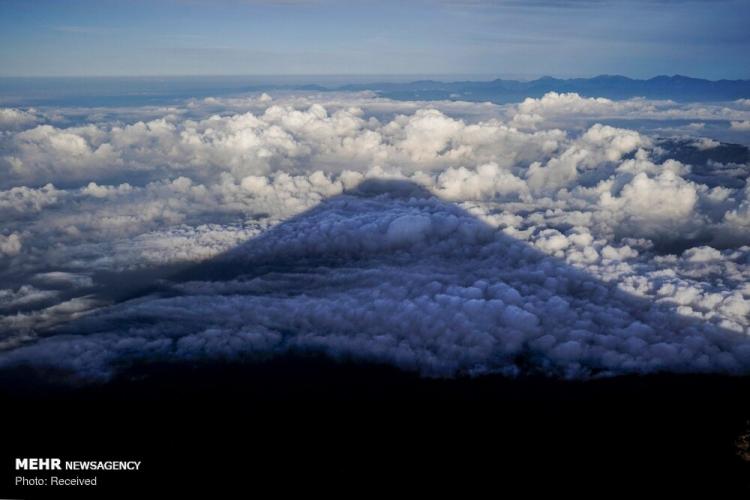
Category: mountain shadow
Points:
column 389, row 273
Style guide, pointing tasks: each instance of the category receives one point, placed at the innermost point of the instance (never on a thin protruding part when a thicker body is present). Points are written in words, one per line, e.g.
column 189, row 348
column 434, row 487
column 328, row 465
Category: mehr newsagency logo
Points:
column 64, row 467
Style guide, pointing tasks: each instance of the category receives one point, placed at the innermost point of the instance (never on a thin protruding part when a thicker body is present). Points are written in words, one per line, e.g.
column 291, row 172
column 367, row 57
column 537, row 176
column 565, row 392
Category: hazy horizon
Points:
column 366, row 77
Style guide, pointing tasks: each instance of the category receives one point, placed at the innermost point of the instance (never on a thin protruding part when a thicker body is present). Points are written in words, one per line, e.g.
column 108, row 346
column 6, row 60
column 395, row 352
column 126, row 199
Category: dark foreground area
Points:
column 308, row 425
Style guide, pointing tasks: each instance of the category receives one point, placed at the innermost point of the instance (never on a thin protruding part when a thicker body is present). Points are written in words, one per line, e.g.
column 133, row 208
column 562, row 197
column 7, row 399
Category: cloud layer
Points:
column 531, row 238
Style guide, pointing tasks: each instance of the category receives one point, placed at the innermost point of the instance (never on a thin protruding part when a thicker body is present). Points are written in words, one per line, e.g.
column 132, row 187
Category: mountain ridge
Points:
column 675, row 87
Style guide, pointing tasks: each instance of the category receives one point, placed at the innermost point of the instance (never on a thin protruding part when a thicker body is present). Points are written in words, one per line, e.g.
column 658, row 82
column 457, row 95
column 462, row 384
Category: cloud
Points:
column 24, row 295
column 423, row 285
column 11, row 118
column 705, row 143
column 10, row 245
column 23, row 200
column 538, row 235
column 263, row 136
column 558, row 109
column 64, row 279
column 743, row 125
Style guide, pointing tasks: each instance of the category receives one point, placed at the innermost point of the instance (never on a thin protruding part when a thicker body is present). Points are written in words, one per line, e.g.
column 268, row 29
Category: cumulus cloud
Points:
column 705, row 143
column 22, row 199
column 10, row 245
column 11, row 118
column 517, row 237
column 554, row 109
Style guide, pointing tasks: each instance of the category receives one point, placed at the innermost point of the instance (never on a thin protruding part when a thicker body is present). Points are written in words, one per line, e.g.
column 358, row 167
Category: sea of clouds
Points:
column 446, row 238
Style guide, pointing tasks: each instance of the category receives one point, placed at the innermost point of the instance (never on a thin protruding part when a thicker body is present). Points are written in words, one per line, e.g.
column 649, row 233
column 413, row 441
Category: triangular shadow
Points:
column 389, row 273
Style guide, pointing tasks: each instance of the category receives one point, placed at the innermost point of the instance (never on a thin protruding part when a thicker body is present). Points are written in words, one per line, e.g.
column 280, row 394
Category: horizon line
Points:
column 419, row 76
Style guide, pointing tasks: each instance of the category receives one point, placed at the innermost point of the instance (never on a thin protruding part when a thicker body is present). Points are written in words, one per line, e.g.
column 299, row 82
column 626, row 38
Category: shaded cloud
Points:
column 413, row 281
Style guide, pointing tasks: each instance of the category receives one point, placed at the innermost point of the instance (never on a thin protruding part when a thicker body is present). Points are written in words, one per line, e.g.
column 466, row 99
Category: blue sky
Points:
column 506, row 38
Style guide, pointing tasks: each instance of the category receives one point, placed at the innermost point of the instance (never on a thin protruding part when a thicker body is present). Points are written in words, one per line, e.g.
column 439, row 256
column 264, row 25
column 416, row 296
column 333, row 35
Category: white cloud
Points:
column 705, row 143
column 661, row 203
column 10, row 245
column 555, row 109
column 22, row 199
column 11, row 118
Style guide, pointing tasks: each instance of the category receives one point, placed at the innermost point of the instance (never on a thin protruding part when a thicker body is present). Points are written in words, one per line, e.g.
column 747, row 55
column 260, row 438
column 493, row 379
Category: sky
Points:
column 475, row 38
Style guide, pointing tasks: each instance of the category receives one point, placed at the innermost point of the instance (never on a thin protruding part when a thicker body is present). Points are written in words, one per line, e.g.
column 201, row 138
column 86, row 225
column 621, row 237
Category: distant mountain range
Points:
column 677, row 87
column 138, row 91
